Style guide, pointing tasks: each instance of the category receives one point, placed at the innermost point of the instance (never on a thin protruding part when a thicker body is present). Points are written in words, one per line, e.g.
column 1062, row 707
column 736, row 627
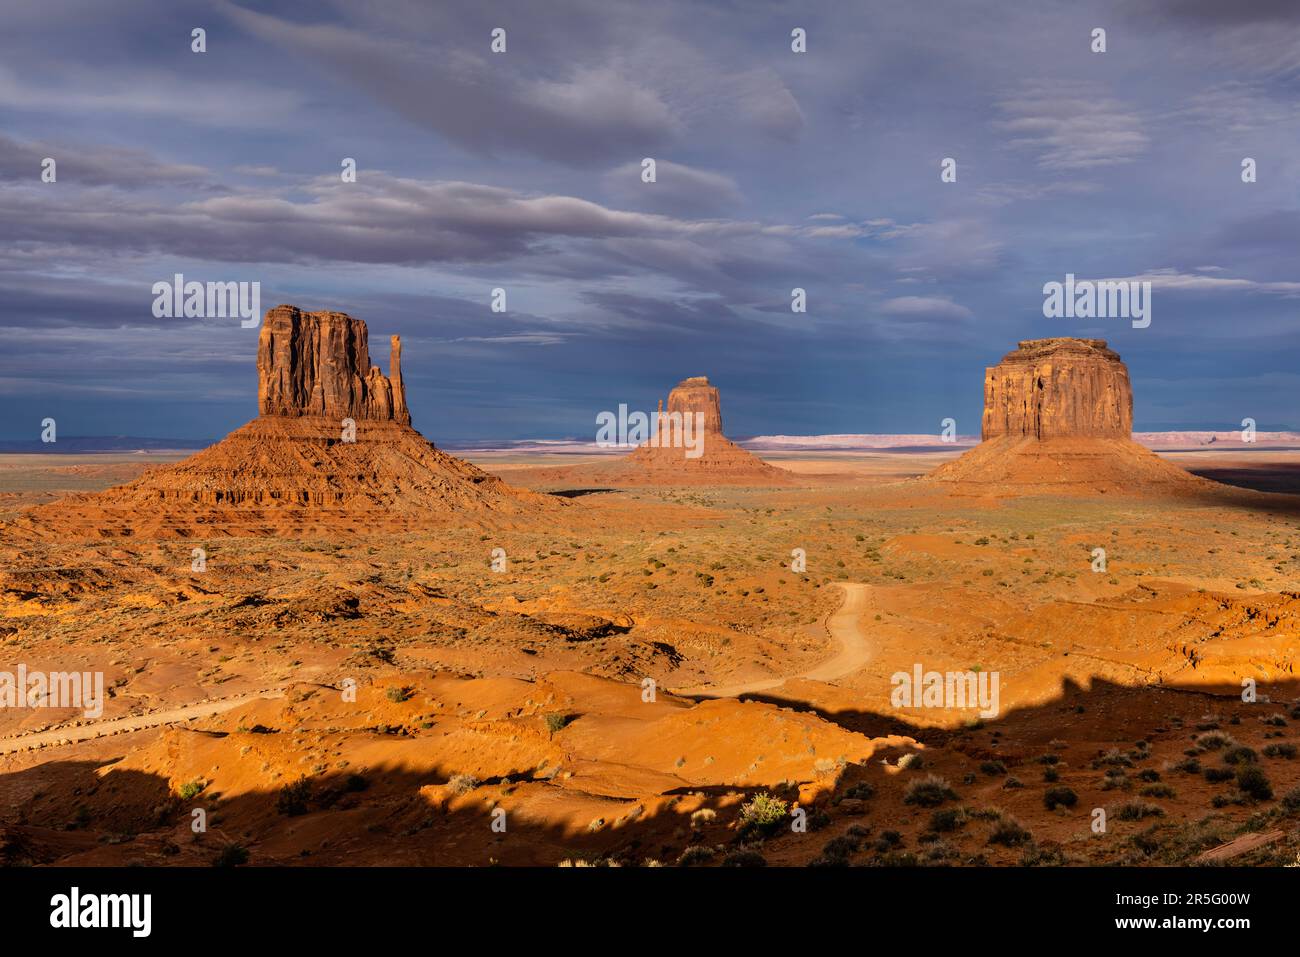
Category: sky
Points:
column 522, row 170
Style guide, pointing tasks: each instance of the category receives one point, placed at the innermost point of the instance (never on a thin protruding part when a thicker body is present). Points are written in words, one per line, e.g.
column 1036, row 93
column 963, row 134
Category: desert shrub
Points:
column 1215, row 775
column 1157, row 791
column 1291, row 800
column 462, row 783
column 1113, row 758
column 888, row 840
column 1280, row 750
column 1239, row 755
column 292, row 798
column 993, row 768
column 744, row 857
column 1051, row 775
column 1059, row 797
column 929, row 791
column 860, row 791
column 911, row 761
column 191, row 789
column 1276, row 720
column 1252, row 780
column 555, row 721
column 232, row 855
column 1035, row 856
column 1214, row 741
column 696, row 854
column 704, row 815
column 1136, row 810
column 763, row 813
column 1011, row 783
column 1009, row 832
column 1232, row 797
column 947, row 820
column 1188, row 766
column 1148, row 774
column 398, row 695
column 839, row 849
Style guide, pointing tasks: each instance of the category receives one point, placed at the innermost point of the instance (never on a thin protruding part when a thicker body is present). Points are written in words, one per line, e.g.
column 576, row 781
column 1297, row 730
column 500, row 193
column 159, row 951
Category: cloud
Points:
column 1074, row 128
column 202, row 102
column 584, row 116
column 678, row 189
column 96, row 166
column 926, row 307
column 1173, row 280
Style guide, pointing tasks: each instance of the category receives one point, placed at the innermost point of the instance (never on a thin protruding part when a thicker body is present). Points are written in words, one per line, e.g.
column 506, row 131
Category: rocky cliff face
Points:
column 696, row 395
column 1058, row 416
column 1054, row 388
column 318, row 364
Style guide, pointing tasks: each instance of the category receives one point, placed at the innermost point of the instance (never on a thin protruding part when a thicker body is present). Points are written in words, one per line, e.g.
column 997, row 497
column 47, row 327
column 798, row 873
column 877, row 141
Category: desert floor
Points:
column 648, row 663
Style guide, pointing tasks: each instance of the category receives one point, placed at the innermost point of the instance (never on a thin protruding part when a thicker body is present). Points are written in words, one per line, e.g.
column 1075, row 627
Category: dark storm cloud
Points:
column 775, row 170
column 96, row 166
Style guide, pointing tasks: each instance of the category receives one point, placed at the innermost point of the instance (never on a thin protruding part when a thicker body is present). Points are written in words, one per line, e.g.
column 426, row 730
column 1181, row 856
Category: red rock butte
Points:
column 720, row 462
column 1058, row 387
column 1058, row 418
column 332, row 451
column 318, row 363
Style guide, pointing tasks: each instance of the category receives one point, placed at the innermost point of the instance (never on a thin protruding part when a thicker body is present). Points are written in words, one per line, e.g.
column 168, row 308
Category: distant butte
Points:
column 1058, row 417
column 331, row 452
column 1049, row 388
column 721, row 461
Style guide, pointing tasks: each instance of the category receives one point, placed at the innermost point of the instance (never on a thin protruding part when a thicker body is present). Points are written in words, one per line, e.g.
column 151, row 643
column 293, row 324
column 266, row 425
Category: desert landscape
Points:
column 365, row 650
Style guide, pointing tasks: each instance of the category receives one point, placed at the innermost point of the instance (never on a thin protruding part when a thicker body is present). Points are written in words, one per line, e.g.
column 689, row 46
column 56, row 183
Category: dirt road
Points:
column 70, row 734
column 842, row 625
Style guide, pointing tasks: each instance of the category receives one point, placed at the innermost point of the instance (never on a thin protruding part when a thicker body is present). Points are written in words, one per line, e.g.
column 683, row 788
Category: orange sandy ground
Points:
column 523, row 691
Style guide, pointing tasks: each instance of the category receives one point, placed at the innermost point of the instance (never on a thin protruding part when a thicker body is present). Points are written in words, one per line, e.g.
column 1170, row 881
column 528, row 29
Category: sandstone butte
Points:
column 1058, row 416
column 721, row 461
column 294, row 469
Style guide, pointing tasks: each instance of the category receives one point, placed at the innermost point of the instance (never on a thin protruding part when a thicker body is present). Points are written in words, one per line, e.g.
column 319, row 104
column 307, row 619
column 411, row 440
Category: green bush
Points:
column 191, row 790
column 763, row 813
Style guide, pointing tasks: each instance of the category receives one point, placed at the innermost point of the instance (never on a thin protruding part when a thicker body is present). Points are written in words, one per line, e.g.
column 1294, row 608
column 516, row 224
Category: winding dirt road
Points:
column 842, row 624
column 71, row 734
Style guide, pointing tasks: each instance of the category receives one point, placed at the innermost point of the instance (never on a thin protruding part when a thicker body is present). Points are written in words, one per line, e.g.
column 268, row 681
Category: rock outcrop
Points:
column 1058, row 419
column 1050, row 388
column 318, row 363
column 694, row 396
column 299, row 468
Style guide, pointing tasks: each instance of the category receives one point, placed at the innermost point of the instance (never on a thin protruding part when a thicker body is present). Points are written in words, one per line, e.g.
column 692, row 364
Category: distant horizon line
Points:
column 775, row 442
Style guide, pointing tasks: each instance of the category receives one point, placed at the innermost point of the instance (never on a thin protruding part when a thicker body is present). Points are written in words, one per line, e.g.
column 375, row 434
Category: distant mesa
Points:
column 1054, row 388
column 719, row 462
column 332, row 452
column 1058, row 417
